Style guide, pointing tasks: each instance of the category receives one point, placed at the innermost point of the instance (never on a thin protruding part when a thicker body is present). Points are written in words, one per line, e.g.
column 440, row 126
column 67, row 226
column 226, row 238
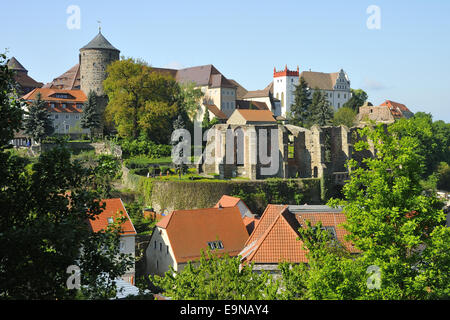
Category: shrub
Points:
column 141, row 146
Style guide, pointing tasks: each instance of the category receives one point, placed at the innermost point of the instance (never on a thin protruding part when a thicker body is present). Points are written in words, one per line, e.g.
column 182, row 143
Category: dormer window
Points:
column 215, row 245
column 110, row 220
column 64, row 105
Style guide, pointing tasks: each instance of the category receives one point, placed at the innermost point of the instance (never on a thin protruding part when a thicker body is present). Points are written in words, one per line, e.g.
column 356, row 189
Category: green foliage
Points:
column 357, row 100
column 344, row 116
column 189, row 98
column 397, row 228
column 38, row 123
column 443, row 176
column 433, row 137
column 106, row 170
column 135, row 211
column 45, row 206
column 44, row 235
column 143, row 146
column 90, row 118
column 321, row 111
column 140, row 100
column 300, row 110
column 10, row 107
column 217, row 278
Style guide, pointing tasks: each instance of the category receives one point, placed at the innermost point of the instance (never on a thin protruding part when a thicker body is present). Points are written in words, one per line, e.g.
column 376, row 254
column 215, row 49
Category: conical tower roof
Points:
column 99, row 42
column 13, row 64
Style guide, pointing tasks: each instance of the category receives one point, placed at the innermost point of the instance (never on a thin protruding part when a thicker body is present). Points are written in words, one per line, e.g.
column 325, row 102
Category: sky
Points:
column 400, row 51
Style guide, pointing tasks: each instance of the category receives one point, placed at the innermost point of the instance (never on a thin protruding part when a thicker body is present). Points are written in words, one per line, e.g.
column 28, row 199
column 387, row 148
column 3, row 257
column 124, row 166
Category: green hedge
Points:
column 172, row 195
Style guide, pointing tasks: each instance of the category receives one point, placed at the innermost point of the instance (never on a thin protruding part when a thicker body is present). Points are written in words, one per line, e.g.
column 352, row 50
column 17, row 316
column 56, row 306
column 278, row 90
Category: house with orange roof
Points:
column 182, row 235
column 249, row 219
column 275, row 238
column 114, row 210
column 251, row 116
column 65, row 108
column 387, row 112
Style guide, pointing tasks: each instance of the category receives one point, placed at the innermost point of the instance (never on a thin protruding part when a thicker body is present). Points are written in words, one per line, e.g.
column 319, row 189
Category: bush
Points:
column 141, row 146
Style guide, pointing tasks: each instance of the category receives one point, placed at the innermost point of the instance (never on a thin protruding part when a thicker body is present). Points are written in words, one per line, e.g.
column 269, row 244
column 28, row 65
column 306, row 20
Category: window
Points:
column 56, row 116
column 52, row 105
column 64, row 105
column 154, row 247
column 345, row 96
column 167, row 249
column 160, row 246
column 339, row 95
column 77, row 117
column 110, row 220
column 122, row 245
column 67, row 116
column 215, row 245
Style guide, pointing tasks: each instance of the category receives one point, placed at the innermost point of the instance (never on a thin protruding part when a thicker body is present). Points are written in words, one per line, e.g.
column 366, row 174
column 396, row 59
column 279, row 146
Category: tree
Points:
column 90, row 118
column 344, row 116
column 216, row 278
column 321, row 112
column 189, row 98
column 434, row 138
column 156, row 121
column 399, row 230
column 358, row 98
column 206, row 120
column 38, row 123
column 45, row 207
column 300, row 110
column 10, row 107
column 133, row 87
column 180, row 167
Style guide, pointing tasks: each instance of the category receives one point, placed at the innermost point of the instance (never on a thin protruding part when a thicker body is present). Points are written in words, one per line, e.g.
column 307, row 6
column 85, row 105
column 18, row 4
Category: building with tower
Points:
column 24, row 82
column 284, row 83
column 94, row 58
column 335, row 86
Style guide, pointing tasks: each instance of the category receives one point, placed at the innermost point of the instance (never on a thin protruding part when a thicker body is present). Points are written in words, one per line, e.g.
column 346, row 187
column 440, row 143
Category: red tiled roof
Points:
column 256, row 115
column 227, row 201
column 49, row 95
column 216, row 111
column 274, row 239
column 189, row 231
column 114, row 208
column 398, row 110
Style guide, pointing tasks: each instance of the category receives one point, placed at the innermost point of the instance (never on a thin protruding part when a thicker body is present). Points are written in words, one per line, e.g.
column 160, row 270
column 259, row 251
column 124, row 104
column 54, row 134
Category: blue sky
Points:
column 406, row 60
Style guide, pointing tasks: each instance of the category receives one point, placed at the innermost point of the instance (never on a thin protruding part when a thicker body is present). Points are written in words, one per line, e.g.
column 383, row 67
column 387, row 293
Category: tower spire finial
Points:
column 99, row 26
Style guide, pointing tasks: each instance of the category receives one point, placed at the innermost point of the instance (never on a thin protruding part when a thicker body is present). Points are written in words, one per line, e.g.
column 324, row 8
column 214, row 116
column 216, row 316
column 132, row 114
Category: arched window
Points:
column 282, row 99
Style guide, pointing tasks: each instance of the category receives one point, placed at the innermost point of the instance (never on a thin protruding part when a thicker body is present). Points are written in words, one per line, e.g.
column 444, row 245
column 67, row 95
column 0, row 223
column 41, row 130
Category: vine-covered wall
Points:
column 167, row 196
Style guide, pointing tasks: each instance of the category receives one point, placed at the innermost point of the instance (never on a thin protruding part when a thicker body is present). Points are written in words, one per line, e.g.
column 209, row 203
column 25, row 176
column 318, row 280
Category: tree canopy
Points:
column 139, row 98
column 399, row 230
column 44, row 209
column 358, row 98
column 300, row 110
column 37, row 122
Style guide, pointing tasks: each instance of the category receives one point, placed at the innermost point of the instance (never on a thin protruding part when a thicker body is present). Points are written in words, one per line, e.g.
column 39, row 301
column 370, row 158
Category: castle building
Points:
column 65, row 108
column 89, row 74
column 219, row 92
column 279, row 95
column 24, row 82
column 335, row 86
column 387, row 112
column 284, row 83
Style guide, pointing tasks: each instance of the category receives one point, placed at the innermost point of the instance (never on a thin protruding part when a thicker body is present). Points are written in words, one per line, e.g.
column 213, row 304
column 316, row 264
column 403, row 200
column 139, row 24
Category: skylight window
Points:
column 215, row 245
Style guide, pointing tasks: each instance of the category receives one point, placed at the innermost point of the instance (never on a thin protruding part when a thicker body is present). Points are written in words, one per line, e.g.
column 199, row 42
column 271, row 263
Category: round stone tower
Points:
column 94, row 58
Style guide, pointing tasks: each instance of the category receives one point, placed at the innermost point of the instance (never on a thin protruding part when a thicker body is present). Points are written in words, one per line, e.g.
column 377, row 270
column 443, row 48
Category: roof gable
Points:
column 114, row 208
column 189, row 231
column 251, row 116
column 99, row 42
